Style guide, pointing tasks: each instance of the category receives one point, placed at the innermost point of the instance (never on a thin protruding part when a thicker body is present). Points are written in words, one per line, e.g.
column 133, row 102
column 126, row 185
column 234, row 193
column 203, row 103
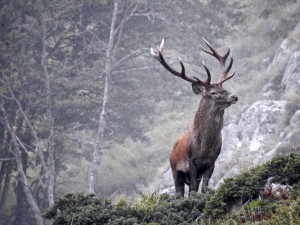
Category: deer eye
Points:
column 213, row 93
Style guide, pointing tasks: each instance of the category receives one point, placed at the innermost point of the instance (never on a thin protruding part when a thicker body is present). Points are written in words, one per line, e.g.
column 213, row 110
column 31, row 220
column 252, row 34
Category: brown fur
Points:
column 194, row 154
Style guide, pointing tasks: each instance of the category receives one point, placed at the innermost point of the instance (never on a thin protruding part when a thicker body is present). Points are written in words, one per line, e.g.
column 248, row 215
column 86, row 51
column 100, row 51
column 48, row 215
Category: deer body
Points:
column 199, row 147
column 194, row 154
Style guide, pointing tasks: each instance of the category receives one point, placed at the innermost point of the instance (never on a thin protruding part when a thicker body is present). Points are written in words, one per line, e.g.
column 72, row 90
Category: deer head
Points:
column 213, row 92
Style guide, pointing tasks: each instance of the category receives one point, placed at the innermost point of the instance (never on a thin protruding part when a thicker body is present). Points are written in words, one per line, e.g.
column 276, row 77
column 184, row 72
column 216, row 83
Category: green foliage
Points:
column 214, row 207
column 267, row 211
column 88, row 209
column 178, row 210
column 248, row 185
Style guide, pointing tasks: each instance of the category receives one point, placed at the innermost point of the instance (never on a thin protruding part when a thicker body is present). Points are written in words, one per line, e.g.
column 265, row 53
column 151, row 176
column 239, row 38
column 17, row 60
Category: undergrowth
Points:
column 248, row 198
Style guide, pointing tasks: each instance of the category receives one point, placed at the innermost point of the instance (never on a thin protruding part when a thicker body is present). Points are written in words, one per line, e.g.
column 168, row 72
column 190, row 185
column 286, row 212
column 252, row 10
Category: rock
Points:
column 290, row 138
column 251, row 141
column 295, row 121
column 287, row 47
column 276, row 190
column 259, row 123
column 265, row 63
column 226, row 159
column 283, row 78
column 274, row 88
column 261, row 130
column 167, row 183
column 291, row 76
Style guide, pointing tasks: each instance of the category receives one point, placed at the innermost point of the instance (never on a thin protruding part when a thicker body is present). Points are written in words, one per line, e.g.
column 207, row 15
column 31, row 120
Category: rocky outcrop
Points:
column 254, row 139
column 289, row 140
column 267, row 127
column 167, row 183
column 291, row 76
column 287, row 47
column 280, row 78
column 259, row 124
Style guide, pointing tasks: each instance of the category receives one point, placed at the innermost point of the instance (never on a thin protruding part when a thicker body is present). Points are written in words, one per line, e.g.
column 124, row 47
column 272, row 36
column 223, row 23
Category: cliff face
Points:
column 265, row 128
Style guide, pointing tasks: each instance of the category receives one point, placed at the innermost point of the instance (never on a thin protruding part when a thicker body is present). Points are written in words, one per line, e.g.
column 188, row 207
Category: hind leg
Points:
column 179, row 178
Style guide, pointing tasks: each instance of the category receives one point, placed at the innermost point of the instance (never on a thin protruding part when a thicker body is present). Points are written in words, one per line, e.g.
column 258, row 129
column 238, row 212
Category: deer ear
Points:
column 198, row 89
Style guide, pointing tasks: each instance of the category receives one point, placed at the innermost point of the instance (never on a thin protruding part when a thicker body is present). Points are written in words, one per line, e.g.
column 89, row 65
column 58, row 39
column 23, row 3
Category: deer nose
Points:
column 233, row 98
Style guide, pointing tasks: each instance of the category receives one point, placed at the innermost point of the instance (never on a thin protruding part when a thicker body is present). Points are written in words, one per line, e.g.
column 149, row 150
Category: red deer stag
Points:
column 194, row 154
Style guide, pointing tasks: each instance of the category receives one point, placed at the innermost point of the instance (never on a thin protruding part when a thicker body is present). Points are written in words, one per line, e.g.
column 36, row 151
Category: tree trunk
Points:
column 16, row 151
column 101, row 122
column 21, row 210
column 6, row 186
column 50, row 178
column 6, row 167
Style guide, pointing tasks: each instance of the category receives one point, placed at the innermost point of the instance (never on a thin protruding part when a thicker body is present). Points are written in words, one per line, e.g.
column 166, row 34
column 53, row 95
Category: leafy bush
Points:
column 213, row 206
column 248, row 185
column 268, row 212
column 178, row 210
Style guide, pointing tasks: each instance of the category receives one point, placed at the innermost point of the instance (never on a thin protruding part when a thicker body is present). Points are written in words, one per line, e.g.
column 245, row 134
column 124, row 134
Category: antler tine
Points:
column 221, row 81
column 225, row 77
column 160, row 58
column 229, row 66
column 208, row 80
column 221, row 59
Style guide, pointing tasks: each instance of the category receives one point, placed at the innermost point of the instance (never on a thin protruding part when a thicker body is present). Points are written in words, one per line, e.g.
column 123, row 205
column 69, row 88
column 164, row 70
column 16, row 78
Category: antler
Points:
column 193, row 80
column 222, row 60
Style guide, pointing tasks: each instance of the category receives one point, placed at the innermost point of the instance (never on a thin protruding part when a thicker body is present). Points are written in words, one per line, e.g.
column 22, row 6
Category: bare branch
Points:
column 130, row 55
column 33, row 131
column 60, row 40
column 7, row 159
column 95, row 36
column 129, row 12
column 135, row 69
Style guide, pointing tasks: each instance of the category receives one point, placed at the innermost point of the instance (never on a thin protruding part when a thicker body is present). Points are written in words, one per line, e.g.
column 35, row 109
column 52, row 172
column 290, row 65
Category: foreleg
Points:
column 206, row 176
column 194, row 178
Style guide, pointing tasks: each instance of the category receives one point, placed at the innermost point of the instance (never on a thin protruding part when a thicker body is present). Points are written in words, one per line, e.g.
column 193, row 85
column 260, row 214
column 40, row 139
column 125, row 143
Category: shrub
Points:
column 248, row 185
column 212, row 207
column 88, row 209
column 178, row 210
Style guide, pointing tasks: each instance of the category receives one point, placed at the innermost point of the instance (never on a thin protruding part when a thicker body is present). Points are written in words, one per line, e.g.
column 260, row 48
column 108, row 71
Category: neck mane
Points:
column 209, row 117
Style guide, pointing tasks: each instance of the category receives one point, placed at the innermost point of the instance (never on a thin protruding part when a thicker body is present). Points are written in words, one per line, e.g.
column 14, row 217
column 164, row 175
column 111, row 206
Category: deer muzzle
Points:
column 233, row 99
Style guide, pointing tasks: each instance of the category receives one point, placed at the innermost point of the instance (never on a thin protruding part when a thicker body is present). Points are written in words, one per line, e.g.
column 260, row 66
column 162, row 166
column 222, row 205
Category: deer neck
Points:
column 208, row 119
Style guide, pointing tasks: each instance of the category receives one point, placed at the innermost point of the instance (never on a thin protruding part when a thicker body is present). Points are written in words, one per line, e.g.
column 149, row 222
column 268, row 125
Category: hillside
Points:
column 268, row 194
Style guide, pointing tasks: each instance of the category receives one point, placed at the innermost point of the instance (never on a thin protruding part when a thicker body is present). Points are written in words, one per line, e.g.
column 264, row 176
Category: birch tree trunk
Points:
column 50, row 173
column 133, row 9
column 101, row 122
